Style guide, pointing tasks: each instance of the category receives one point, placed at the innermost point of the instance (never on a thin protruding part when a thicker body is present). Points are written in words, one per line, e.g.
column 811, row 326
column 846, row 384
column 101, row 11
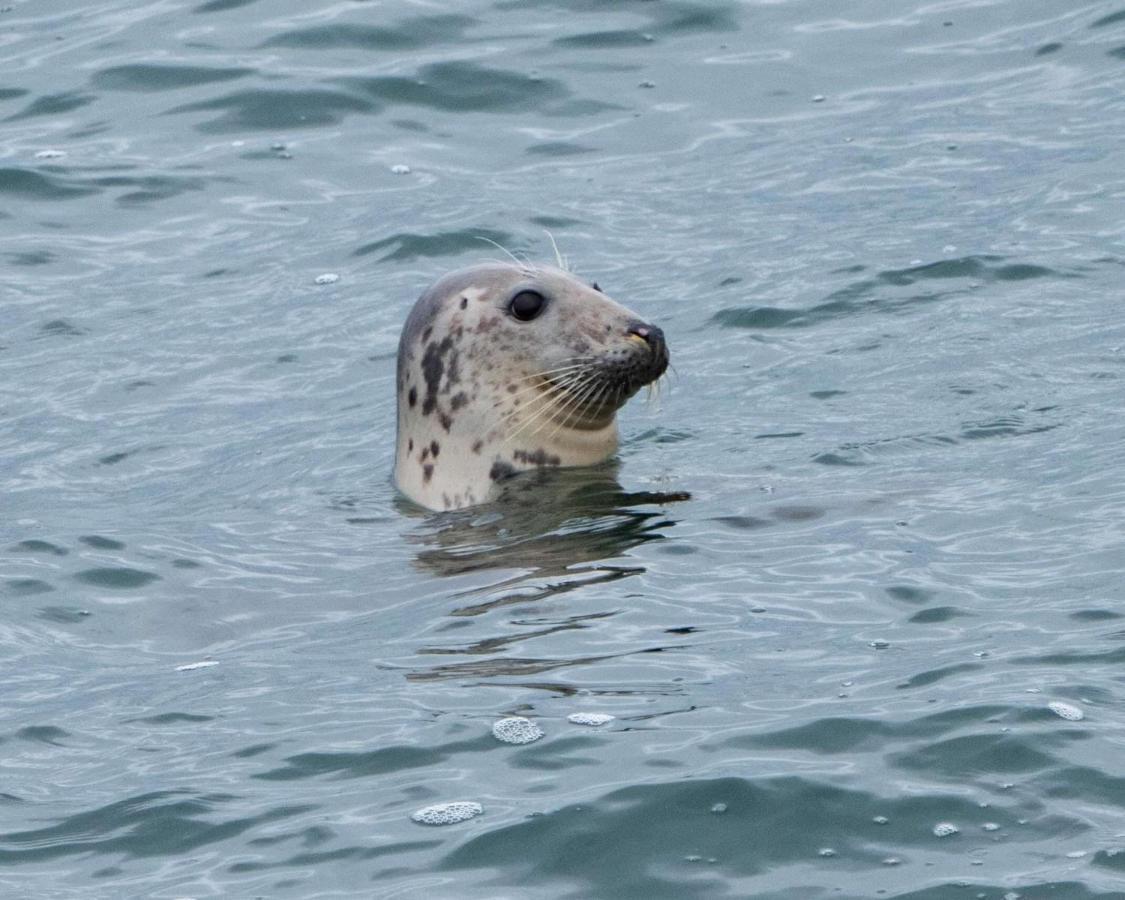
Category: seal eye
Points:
column 527, row 305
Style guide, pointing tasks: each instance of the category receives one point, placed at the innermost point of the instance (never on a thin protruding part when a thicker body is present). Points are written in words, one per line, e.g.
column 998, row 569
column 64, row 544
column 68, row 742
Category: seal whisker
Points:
column 564, row 408
column 548, row 380
column 546, row 374
column 581, row 399
column 555, row 393
column 550, row 402
column 593, row 389
column 566, row 399
column 572, row 363
column 549, row 385
column 523, row 417
column 524, row 265
column 560, row 260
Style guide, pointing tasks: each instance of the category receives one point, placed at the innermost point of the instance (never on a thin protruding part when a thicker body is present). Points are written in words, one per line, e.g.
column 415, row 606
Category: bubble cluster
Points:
column 945, row 829
column 1066, row 711
column 327, row 278
column 516, row 730
column 447, row 813
column 586, row 718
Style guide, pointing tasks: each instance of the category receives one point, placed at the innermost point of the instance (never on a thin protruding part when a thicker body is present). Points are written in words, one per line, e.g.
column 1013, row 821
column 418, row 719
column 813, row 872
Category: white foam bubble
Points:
column 204, row 664
column 516, row 730
column 990, row 826
column 50, row 154
column 587, row 718
column 880, row 820
column 327, row 278
column 400, row 169
column 1066, row 711
column 945, row 829
column 447, row 813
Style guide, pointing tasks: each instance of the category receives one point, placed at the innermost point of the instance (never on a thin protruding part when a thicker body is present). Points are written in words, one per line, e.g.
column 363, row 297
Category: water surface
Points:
column 886, row 244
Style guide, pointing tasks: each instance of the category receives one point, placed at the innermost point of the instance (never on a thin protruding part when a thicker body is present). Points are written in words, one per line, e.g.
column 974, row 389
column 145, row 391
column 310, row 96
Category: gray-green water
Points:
column 887, row 243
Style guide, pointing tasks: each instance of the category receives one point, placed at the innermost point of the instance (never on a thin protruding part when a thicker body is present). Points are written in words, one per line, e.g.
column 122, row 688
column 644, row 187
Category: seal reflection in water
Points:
column 504, row 368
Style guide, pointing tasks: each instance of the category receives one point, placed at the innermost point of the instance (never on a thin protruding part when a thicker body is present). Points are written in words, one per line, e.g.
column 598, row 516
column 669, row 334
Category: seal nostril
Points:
column 650, row 334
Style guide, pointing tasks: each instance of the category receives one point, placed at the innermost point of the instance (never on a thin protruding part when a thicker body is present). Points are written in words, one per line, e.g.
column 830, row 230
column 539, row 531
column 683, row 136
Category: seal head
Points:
column 503, row 368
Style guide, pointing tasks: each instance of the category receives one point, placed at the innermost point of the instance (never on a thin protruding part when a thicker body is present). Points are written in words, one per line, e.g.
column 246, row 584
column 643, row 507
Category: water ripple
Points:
column 273, row 110
column 424, row 31
column 153, row 824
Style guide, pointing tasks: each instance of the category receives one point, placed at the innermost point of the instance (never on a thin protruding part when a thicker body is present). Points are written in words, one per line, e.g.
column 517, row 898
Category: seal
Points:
column 508, row 367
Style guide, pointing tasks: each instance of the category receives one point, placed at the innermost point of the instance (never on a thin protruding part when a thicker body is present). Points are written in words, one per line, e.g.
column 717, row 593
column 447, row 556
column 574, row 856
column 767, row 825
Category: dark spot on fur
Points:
column 512, row 388
column 446, row 420
column 433, row 368
column 458, row 400
column 464, row 302
column 410, row 445
column 597, row 288
column 477, row 446
column 538, row 458
column 427, row 472
column 434, row 448
column 453, row 375
column 501, row 470
column 425, row 454
column 445, row 500
column 412, row 397
column 426, row 334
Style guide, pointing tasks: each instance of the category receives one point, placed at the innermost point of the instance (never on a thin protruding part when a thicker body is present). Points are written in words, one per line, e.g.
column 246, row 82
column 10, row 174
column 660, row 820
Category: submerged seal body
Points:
column 503, row 368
